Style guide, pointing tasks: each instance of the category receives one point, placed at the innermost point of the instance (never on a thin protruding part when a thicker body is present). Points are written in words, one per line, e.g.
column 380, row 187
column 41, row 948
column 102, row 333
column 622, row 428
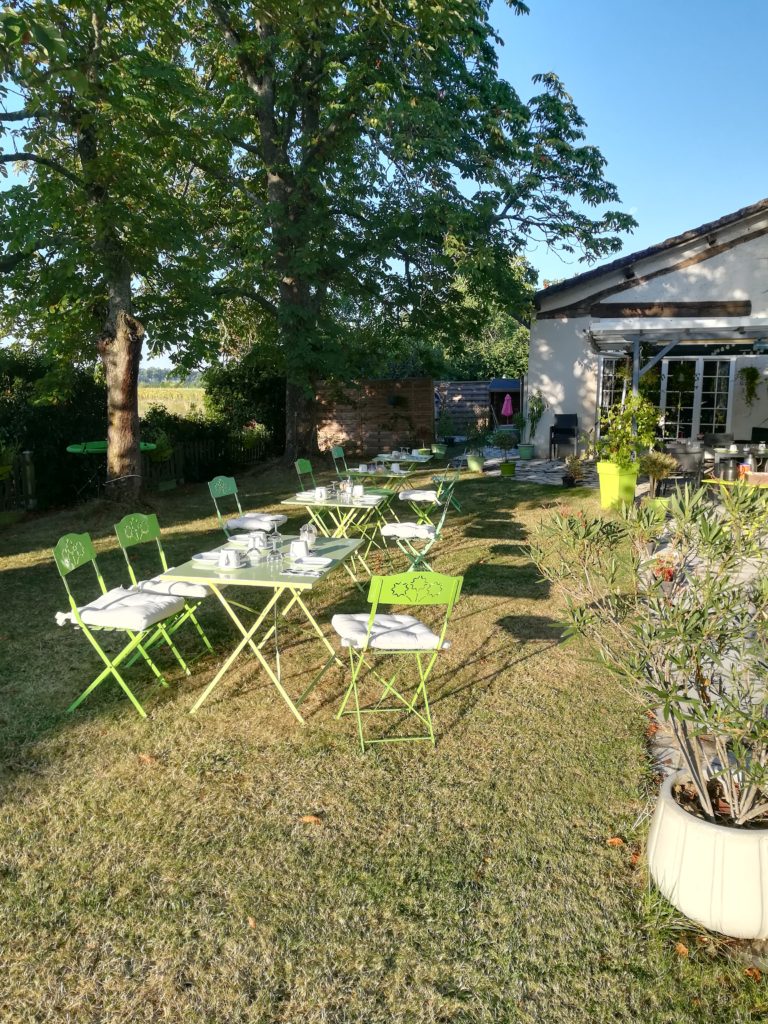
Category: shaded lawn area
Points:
column 159, row 871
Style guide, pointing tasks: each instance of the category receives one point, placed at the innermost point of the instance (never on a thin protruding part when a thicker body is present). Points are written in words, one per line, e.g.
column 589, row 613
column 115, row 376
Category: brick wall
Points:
column 375, row 415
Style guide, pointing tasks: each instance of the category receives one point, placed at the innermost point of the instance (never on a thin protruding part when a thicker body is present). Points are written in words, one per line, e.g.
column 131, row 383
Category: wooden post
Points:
column 28, row 481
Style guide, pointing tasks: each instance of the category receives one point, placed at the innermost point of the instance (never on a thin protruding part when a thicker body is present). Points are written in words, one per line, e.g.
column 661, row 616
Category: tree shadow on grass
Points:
column 532, row 627
column 511, row 581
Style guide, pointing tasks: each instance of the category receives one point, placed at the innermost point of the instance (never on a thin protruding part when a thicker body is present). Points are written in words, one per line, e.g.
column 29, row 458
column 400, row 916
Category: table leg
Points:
column 247, row 640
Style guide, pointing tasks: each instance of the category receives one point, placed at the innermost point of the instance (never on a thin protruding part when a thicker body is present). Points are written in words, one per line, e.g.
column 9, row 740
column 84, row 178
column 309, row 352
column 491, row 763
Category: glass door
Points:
column 715, row 394
column 679, row 381
column 695, row 396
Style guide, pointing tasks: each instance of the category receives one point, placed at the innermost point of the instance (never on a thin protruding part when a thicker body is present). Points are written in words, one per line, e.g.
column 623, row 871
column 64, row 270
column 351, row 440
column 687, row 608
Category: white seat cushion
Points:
column 129, row 608
column 256, row 521
column 176, row 588
column 422, row 530
column 417, row 495
column 388, row 632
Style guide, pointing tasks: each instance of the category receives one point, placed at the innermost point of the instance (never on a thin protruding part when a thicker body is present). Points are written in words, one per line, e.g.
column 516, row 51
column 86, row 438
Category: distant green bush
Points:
column 241, row 394
column 44, row 408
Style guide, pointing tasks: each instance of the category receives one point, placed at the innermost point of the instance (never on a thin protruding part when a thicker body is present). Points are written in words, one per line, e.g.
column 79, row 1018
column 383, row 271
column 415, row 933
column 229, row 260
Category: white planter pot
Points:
column 717, row 876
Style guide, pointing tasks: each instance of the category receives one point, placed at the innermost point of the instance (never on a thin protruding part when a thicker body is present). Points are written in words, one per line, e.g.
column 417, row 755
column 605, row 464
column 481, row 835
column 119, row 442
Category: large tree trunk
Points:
column 120, row 351
column 300, row 421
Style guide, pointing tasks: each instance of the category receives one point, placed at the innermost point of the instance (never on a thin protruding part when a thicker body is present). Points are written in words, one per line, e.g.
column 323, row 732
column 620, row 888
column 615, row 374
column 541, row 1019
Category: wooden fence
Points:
column 467, row 402
column 17, row 488
column 375, row 415
column 191, row 462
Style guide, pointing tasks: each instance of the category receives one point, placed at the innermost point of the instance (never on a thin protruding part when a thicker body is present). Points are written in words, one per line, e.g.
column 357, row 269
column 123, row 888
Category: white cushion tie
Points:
column 126, row 608
column 388, row 632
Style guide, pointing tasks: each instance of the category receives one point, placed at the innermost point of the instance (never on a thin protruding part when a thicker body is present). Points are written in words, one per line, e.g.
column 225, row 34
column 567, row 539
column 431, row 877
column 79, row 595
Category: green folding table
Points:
column 339, row 516
column 288, row 590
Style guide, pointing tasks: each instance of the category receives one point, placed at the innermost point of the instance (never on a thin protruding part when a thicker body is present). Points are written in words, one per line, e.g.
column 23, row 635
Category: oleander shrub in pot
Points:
column 678, row 610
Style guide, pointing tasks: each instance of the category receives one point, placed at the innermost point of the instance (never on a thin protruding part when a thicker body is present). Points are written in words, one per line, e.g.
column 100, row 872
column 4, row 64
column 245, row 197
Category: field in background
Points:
column 180, row 401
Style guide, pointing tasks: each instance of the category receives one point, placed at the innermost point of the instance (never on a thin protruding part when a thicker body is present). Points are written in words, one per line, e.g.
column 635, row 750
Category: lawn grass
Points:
column 159, row 870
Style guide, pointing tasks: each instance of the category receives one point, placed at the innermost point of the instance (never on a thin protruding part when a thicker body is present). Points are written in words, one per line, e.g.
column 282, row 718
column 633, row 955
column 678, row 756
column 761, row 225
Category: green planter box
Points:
column 617, row 485
column 475, row 463
column 525, row 451
column 508, row 468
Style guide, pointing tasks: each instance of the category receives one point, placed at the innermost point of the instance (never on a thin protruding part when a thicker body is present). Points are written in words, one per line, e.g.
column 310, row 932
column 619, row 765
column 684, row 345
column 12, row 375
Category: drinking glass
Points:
column 275, row 562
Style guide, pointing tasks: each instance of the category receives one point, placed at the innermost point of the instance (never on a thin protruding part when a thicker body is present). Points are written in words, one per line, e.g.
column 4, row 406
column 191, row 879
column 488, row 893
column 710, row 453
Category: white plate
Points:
column 206, row 558
column 311, row 562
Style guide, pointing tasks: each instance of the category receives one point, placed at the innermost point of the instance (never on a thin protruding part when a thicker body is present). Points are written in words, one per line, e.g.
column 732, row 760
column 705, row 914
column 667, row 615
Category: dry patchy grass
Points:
column 158, row 871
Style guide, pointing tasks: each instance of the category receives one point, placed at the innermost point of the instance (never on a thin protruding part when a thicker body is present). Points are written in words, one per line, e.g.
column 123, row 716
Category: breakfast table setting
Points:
column 290, row 567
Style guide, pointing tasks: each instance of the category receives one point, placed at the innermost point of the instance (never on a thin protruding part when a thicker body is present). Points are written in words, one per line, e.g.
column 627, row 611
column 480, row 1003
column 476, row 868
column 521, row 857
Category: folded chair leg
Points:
column 174, row 648
column 111, row 669
column 347, row 695
column 198, row 627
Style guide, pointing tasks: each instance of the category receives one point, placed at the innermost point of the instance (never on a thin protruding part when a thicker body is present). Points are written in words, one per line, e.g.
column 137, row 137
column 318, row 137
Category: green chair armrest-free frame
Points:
column 383, row 638
column 137, row 528
column 73, row 551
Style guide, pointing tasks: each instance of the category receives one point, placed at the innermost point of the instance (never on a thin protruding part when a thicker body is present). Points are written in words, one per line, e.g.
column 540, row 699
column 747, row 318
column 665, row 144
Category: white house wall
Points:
column 562, row 362
column 738, row 273
column 745, row 418
column 563, row 367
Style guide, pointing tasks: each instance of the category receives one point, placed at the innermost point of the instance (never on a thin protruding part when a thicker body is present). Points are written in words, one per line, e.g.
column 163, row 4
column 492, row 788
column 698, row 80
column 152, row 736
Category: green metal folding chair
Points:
column 138, row 528
column 139, row 616
column 343, row 472
column 339, row 462
column 306, row 476
column 368, row 635
column 408, row 535
column 448, row 479
column 226, row 487
column 426, row 503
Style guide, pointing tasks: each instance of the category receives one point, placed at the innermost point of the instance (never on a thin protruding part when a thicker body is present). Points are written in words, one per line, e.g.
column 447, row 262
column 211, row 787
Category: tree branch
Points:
column 13, row 158
column 227, row 291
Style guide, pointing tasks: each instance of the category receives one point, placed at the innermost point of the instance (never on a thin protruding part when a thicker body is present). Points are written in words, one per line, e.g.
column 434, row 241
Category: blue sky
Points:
column 674, row 94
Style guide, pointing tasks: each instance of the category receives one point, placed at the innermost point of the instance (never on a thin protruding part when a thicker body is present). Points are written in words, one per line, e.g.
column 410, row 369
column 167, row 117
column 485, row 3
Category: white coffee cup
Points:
column 734, row 448
column 257, row 540
column 228, row 559
column 321, row 493
column 358, row 491
column 299, row 549
column 395, row 467
column 362, row 468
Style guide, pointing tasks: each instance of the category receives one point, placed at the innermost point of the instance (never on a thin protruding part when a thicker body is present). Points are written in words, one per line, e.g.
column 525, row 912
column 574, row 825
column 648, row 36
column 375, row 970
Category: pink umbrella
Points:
column 506, row 409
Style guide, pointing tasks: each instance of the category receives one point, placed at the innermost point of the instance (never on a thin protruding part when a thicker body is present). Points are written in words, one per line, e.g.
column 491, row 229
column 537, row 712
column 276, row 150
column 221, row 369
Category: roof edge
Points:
column 652, row 250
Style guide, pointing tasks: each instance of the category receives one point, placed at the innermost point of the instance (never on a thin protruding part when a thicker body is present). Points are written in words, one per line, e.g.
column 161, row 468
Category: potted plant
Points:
column 749, row 378
column 445, row 429
column 657, row 466
column 574, row 471
column 686, row 630
column 505, row 440
column 536, row 409
column 476, row 439
column 626, row 430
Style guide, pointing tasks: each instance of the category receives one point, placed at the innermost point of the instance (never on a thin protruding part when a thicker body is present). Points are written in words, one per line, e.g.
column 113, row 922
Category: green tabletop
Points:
column 259, row 575
column 403, row 458
column 731, row 483
column 336, row 502
column 100, row 447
